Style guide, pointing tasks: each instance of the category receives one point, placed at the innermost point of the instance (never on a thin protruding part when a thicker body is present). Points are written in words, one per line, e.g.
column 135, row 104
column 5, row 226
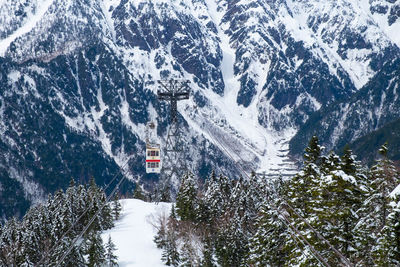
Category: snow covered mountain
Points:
column 370, row 109
column 78, row 81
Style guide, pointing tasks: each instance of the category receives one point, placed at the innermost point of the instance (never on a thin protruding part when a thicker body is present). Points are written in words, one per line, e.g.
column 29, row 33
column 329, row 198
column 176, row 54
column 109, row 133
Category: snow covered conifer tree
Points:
column 313, row 152
column 138, row 192
column 303, row 194
column 111, row 258
column 383, row 178
column 387, row 251
column 337, row 218
column 217, row 195
column 188, row 255
column 302, row 191
column 11, row 244
column 231, row 247
column 116, row 207
column 348, row 162
column 95, row 250
column 170, row 254
column 331, row 163
column 186, row 200
column 106, row 215
column 268, row 243
column 207, row 260
column 74, row 258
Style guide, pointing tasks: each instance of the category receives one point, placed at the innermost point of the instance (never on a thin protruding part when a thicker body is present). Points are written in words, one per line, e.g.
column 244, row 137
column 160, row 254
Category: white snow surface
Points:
column 27, row 27
column 233, row 127
column 133, row 233
column 395, row 192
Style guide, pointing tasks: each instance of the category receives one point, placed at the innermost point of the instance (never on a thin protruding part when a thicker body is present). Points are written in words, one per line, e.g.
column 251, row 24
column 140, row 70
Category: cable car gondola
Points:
column 153, row 152
column 153, row 159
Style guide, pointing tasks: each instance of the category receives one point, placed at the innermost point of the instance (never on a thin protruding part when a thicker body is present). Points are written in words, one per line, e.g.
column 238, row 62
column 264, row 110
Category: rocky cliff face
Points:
column 370, row 109
column 78, row 81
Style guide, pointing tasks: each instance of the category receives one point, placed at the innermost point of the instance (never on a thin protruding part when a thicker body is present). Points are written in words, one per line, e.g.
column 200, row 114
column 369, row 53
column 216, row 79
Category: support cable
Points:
column 81, row 216
column 90, row 223
column 345, row 261
column 313, row 251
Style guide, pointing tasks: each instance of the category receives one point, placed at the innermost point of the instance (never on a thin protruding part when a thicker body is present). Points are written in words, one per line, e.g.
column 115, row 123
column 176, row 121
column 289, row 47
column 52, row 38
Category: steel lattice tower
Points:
column 174, row 163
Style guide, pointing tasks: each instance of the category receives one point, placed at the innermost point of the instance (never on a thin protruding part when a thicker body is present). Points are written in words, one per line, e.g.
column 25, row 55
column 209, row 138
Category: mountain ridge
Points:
column 258, row 71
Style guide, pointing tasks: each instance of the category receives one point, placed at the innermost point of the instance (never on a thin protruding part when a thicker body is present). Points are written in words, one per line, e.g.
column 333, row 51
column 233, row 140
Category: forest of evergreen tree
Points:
column 48, row 230
column 334, row 212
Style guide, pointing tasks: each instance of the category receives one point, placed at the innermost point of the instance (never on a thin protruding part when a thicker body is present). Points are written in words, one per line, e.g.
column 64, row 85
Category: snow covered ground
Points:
column 133, row 234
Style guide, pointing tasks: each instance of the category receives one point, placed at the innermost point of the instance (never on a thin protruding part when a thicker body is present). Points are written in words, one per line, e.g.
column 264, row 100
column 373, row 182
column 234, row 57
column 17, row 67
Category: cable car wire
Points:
column 313, row 251
column 83, row 214
column 90, row 222
column 340, row 255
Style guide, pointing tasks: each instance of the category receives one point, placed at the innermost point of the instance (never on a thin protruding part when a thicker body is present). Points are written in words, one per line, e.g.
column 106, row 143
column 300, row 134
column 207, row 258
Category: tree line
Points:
column 334, row 211
column 48, row 229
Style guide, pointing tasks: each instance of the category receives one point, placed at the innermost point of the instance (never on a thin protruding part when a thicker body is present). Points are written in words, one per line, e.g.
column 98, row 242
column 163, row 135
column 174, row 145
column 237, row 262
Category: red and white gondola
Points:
column 153, row 159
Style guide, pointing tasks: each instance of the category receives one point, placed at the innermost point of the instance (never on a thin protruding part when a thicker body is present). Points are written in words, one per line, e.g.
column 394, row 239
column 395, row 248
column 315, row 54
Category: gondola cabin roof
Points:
column 153, row 146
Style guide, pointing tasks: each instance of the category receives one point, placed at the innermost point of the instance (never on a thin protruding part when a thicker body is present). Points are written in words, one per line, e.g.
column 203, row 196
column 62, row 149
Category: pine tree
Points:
column 188, row 257
column 31, row 239
column 337, row 217
column 268, row 243
column 304, row 197
column 98, row 208
column 249, row 198
column 95, row 250
column 106, row 214
column 12, row 244
column 330, row 163
column 313, row 152
column 173, row 212
column 116, row 207
column 217, row 196
column 387, row 251
column 186, row 200
column 74, row 257
column 231, row 247
column 302, row 192
column 164, row 193
column 383, row 178
column 161, row 237
column 138, row 193
column 170, row 254
column 207, row 260
column 111, row 258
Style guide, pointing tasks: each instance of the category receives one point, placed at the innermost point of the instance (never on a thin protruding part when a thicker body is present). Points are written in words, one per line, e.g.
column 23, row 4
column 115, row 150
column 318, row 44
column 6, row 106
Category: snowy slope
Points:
column 258, row 70
column 31, row 22
column 133, row 234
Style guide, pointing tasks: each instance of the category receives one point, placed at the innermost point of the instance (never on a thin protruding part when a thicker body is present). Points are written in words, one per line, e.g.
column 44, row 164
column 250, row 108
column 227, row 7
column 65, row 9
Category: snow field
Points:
column 133, row 233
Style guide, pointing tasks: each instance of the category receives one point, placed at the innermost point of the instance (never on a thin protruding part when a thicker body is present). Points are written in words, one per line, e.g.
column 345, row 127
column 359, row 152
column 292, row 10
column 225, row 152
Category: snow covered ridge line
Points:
column 253, row 77
column 31, row 22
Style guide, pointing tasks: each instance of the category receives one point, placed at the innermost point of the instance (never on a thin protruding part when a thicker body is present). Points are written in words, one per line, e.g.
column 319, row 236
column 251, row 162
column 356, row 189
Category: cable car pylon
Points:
column 174, row 163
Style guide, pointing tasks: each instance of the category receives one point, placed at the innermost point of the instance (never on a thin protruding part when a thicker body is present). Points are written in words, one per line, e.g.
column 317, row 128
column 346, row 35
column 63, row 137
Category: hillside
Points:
column 133, row 233
column 78, row 83
column 343, row 122
column 366, row 146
